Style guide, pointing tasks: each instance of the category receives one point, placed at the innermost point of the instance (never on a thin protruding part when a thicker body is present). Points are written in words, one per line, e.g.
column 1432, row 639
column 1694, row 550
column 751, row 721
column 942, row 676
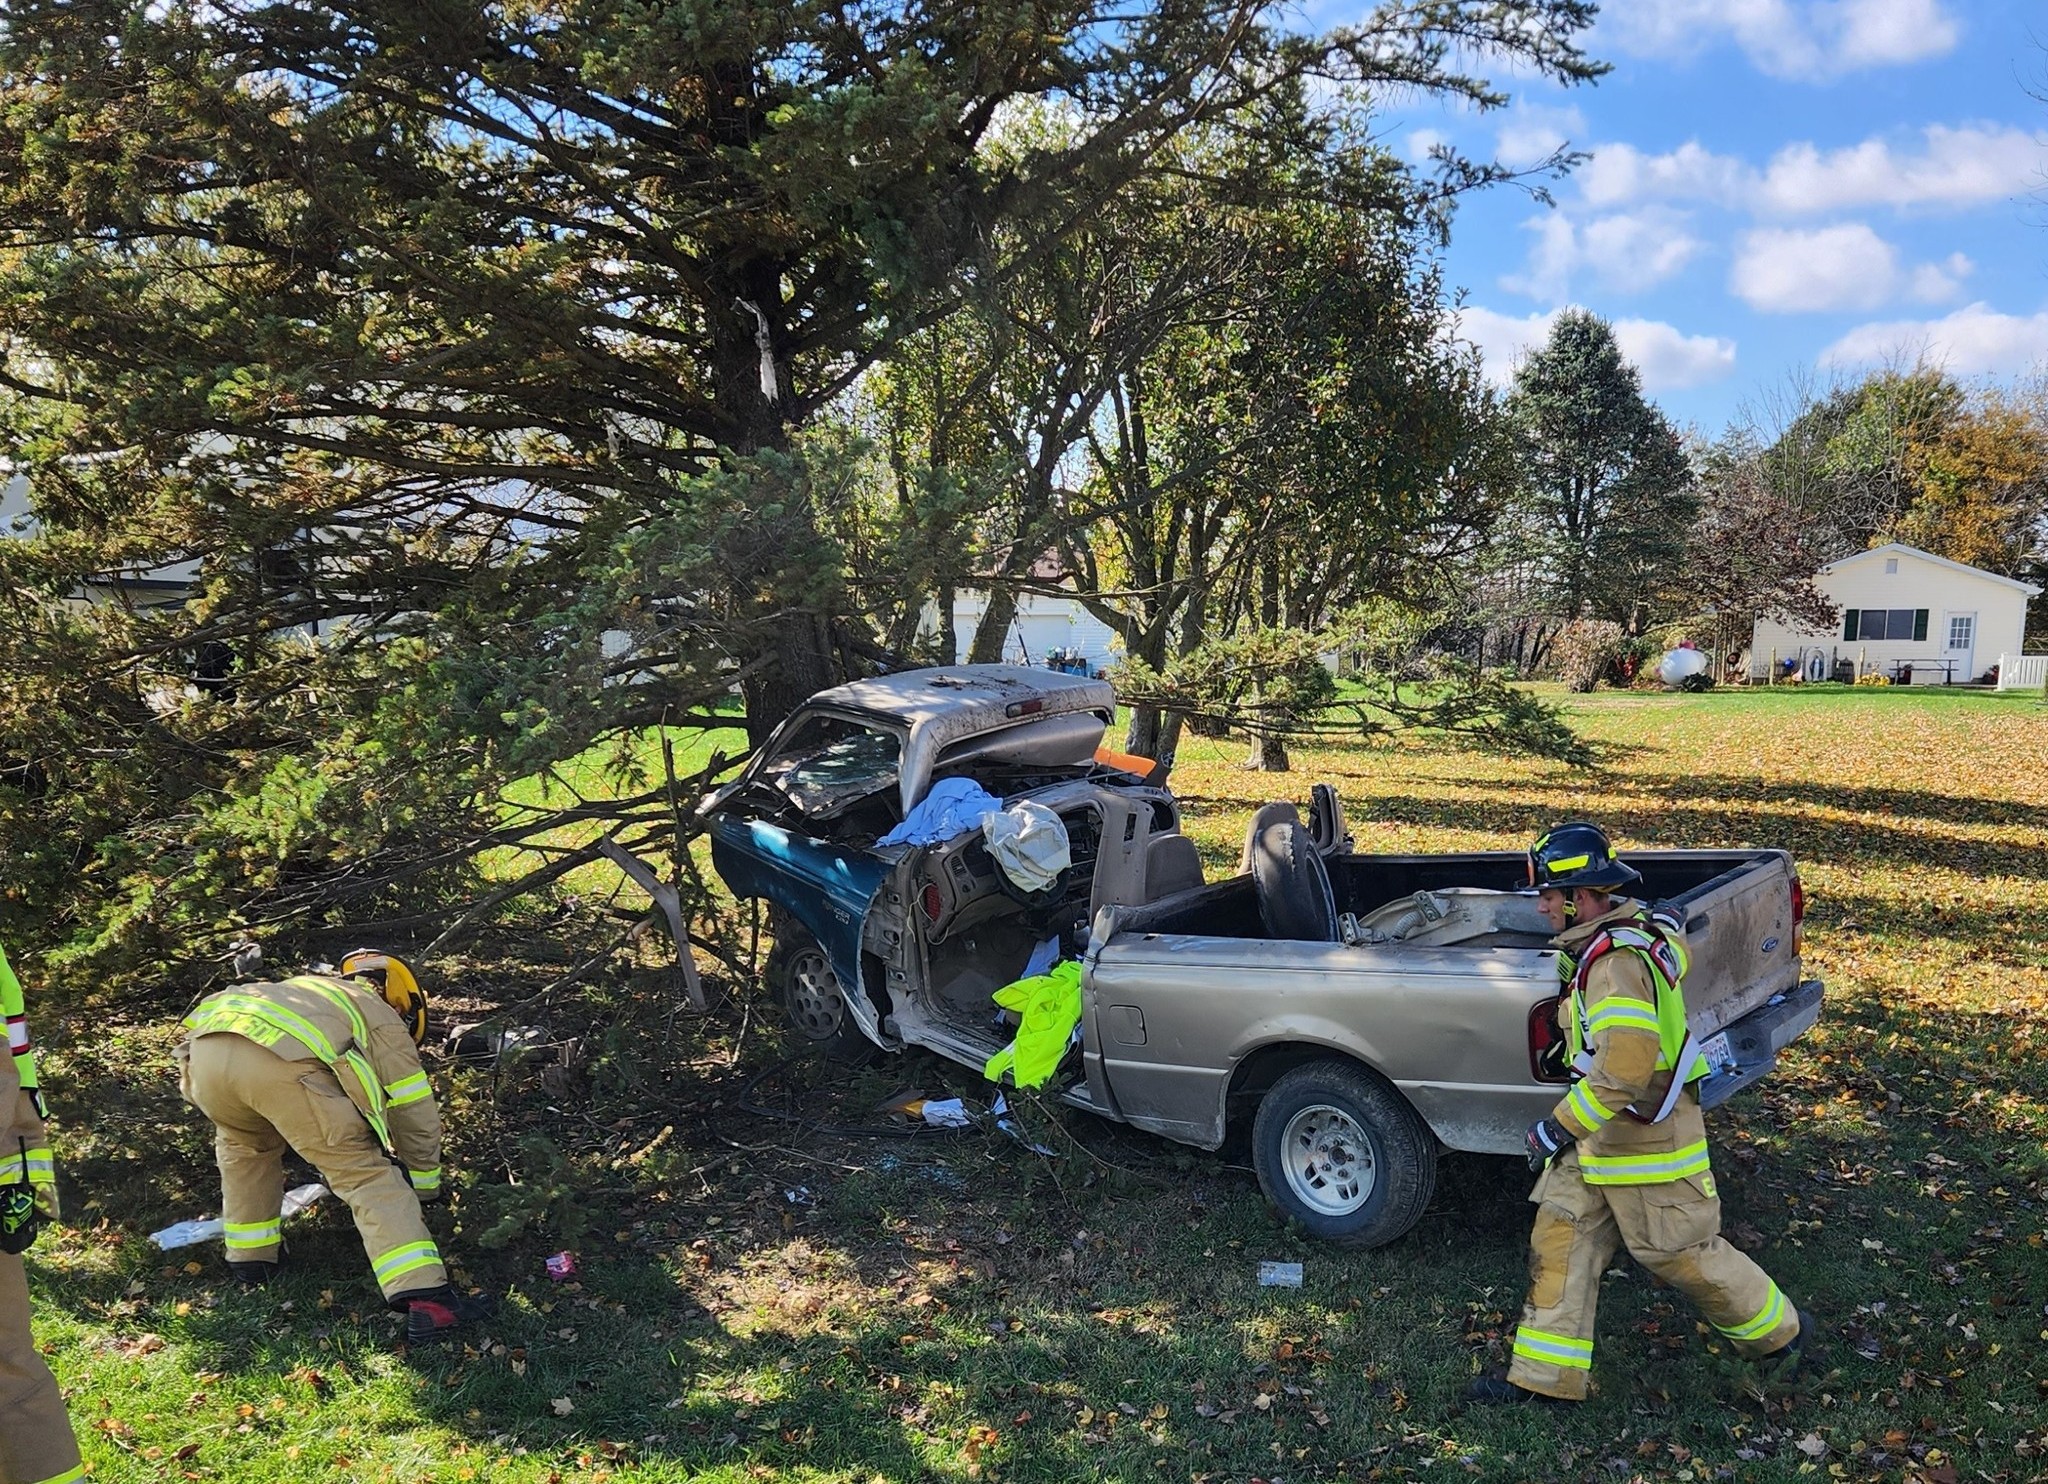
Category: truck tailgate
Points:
column 1741, row 932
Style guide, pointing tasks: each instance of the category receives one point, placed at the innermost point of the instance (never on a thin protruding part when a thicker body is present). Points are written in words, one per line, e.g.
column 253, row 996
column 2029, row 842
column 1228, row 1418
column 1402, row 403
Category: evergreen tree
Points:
column 1609, row 489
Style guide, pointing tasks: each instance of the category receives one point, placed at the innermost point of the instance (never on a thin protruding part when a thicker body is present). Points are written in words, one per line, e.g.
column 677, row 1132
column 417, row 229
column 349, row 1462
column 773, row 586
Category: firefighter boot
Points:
column 1499, row 1391
column 433, row 1314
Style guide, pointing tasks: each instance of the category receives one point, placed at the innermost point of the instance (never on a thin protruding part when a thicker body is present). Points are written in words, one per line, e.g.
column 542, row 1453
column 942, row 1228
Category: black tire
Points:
column 1339, row 1151
column 1293, row 884
column 813, row 1001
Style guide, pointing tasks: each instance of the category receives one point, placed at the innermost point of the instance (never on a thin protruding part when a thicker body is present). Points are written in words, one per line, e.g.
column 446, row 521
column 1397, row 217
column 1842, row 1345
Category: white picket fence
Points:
column 2022, row 671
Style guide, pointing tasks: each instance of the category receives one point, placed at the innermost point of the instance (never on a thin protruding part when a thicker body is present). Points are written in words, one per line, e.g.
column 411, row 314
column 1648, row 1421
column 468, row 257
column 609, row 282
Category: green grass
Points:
column 953, row 1308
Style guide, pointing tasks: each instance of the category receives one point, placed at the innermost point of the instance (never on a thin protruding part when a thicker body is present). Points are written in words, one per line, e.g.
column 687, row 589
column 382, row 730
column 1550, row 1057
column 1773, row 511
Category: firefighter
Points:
column 1623, row 1155
column 328, row 1064
column 36, row 1442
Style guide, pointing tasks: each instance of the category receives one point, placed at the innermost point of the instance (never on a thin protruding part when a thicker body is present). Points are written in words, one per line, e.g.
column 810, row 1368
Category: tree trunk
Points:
column 804, row 664
column 1269, row 754
column 993, row 632
column 949, row 632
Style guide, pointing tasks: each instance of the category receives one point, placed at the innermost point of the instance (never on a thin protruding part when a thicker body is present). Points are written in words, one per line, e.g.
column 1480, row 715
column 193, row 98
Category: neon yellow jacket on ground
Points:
column 1050, row 1004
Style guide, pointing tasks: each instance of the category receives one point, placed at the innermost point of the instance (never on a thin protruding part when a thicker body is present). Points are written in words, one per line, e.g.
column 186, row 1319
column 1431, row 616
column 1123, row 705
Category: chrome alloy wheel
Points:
column 815, row 1006
column 1327, row 1160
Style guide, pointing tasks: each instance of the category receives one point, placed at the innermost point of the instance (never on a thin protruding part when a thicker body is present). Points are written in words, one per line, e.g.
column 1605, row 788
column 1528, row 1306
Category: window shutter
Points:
column 1919, row 625
column 1848, row 625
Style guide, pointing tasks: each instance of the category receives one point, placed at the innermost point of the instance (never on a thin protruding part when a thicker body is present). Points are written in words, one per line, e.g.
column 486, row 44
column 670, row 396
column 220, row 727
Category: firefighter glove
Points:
column 1547, row 1138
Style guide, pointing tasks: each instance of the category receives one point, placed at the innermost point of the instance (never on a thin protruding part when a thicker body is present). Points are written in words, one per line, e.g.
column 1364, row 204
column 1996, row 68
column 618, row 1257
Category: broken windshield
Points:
column 831, row 762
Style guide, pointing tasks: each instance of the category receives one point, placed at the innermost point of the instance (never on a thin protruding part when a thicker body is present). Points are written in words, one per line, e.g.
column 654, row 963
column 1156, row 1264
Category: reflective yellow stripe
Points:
column 373, row 1094
column 223, row 1011
column 1644, row 1169
column 243, row 1234
column 407, row 1090
column 425, row 1179
column 1569, row 863
column 1636, row 1014
column 69, row 1476
column 1587, row 1107
column 1565, row 1350
column 342, row 1002
column 409, row 1258
column 42, row 1166
column 1768, row 1318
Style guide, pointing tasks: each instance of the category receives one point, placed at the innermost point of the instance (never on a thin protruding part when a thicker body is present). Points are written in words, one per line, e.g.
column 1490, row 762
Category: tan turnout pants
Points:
column 36, row 1443
column 260, row 1102
column 1673, row 1228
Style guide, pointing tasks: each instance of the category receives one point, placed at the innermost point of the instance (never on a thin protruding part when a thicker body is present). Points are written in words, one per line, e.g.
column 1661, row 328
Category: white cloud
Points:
column 1954, row 167
column 1626, row 252
column 1973, row 341
column 1532, row 133
column 1808, row 41
column 1421, row 141
column 1671, row 359
column 1667, row 357
column 1847, row 266
column 1621, row 174
column 1935, row 282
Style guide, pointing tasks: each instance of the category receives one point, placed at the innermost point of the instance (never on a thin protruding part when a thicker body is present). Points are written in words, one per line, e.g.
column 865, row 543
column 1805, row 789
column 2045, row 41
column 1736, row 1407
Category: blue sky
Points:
column 1776, row 188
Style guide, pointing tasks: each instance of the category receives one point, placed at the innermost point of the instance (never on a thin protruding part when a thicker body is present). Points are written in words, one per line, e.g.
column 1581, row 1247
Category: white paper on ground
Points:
column 192, row 1233
column 1279, row 1275
column 946, row 1113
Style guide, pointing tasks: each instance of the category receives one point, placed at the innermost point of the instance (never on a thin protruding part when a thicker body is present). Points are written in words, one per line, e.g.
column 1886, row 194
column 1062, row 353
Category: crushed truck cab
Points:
column 1357, row 1012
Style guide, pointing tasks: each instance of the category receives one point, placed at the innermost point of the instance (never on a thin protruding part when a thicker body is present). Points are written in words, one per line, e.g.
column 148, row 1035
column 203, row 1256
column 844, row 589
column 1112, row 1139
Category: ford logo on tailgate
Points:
column 1770, row 945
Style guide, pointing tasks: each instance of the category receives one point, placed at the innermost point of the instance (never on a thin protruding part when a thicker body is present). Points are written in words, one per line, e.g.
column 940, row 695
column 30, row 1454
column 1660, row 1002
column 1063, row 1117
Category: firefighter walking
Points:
column 36, row 1442
column 327, row 1064
column 1624, row 1154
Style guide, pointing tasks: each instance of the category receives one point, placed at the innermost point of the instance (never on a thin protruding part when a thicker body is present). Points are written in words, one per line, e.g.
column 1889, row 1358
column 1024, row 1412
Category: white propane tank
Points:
column 1680, row 665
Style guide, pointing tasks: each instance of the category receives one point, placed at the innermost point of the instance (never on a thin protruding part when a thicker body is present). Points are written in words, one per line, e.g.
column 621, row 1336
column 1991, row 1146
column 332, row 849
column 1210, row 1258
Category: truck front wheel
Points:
column 813, row 1002
column 1342, row 1153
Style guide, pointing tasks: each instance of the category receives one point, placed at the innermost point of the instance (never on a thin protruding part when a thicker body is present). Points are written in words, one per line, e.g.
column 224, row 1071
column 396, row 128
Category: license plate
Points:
column 1718, row 1052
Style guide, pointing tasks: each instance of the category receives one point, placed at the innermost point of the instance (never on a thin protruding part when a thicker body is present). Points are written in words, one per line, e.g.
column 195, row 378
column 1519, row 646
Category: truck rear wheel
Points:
column 805, row 984
column 1342, row 1153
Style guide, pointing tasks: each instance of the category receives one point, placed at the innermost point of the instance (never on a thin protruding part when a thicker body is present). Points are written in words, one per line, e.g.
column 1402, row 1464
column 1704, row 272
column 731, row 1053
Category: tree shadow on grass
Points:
column 1886, row 827
column 898, row 1320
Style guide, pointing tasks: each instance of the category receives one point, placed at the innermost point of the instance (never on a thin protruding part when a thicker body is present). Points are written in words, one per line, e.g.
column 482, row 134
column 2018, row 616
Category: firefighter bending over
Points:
column 1624, row 1155
column 329, row 1065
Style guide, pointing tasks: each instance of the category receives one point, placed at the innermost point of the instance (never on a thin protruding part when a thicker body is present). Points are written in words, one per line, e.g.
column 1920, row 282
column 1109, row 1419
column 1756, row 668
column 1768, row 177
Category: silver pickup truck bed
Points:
column 1188, row 1007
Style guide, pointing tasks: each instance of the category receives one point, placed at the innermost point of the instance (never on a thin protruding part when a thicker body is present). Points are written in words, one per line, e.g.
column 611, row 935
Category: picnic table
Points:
column 1902, row 670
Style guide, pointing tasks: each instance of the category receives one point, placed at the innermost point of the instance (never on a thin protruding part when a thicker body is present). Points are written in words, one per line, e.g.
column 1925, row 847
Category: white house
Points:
column 141, row 587
column 1907, row 615
column 1043, row 623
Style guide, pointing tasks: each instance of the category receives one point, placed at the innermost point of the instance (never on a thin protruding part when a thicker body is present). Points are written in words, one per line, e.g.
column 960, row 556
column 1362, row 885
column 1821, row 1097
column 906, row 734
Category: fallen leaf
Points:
column 562, row 1405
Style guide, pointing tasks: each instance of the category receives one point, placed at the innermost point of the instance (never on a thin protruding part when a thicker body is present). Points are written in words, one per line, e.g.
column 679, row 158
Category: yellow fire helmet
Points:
column 395, row 982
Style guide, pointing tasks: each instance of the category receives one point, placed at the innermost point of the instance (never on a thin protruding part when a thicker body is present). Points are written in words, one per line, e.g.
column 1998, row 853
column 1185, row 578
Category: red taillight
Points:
column 934, row 902
column 1024, row 708
column 1798, row 902
column 1546, row 1042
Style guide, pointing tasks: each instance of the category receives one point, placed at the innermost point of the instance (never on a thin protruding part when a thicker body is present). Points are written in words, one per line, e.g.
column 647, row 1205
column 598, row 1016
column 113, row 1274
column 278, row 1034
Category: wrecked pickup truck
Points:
column 1357, row 1013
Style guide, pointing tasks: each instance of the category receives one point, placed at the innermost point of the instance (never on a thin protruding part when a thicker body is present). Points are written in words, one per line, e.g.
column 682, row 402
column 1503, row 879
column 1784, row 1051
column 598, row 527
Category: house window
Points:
column 1870, row 624
column 1891, row 565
